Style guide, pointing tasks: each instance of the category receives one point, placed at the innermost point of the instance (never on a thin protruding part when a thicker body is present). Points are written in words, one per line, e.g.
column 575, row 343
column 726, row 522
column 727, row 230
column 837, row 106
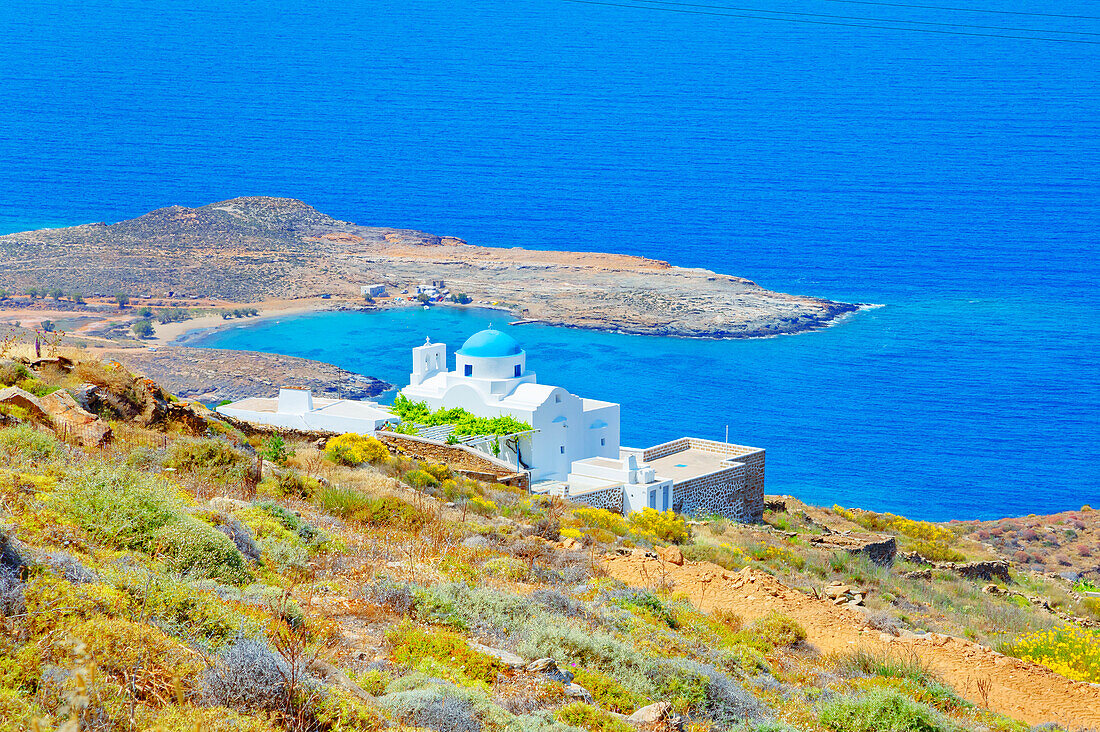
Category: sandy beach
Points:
column 169, row 332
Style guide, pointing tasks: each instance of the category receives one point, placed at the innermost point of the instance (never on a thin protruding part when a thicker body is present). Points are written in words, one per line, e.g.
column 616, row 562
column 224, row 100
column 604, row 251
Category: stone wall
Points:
column 610, row 499
column 721, row 493
column 736, row 492
column 459, row 458
column 695, row 443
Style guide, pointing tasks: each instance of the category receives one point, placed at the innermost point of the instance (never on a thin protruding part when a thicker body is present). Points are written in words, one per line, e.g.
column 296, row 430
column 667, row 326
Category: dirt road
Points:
column 1016, row 688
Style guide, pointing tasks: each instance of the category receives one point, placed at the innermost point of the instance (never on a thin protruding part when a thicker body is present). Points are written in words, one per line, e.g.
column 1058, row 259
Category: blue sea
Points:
column 940, row 158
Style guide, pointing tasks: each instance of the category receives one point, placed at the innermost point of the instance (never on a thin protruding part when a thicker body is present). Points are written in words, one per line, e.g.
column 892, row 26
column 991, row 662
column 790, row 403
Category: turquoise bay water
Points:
column 864, row 413
column 953, row 178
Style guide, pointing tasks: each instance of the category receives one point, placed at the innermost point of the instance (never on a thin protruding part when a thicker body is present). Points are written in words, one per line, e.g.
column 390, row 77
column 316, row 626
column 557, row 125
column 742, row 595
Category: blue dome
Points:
column 489, row 344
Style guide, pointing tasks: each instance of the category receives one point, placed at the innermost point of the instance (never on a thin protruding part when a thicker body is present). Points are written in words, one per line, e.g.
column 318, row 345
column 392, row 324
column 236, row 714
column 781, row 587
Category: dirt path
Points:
column 1016, row 688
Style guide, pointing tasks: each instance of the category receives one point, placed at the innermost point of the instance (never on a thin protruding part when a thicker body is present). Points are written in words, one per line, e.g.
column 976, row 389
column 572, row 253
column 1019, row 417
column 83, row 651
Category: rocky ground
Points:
column 208, row 375
column 252, row 249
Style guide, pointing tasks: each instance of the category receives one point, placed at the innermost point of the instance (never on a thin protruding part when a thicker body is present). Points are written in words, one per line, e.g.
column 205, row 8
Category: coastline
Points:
column 187, row 330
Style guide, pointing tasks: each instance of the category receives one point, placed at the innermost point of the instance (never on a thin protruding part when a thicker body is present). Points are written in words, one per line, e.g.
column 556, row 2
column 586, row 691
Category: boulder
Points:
column 651, row 714
column 671, row 554
column 475, row 542
column 549, row 668
column 66, row 413
column 507, row 658
column 227, row 505
column 23, row 399
column 576, row 691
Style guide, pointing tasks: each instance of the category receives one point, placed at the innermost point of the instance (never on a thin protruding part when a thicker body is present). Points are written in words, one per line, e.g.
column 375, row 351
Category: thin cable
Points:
column 967, row 10
column 833, row 23
column 873, row 20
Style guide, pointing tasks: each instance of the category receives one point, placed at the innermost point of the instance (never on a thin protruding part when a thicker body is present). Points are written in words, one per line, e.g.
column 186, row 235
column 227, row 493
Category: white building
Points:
column 573, row 449
column 296, row 409
column 634, row 483
column 491, row 379
column 376, row 290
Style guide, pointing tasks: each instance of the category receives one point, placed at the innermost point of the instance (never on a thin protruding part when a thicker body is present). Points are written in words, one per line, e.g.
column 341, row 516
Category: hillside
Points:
column 255, row 249
column 162, row 568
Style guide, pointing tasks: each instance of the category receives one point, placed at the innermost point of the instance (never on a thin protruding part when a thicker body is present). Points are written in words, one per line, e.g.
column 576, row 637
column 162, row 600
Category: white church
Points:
column 573, row 447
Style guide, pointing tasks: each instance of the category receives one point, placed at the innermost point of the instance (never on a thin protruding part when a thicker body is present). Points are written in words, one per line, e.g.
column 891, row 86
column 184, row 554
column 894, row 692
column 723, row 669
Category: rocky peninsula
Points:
column 260, row 248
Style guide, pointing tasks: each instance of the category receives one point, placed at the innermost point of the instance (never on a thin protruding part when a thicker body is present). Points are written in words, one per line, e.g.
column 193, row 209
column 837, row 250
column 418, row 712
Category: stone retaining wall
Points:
column 721, row 493
column 459, row 458
column 610, row 499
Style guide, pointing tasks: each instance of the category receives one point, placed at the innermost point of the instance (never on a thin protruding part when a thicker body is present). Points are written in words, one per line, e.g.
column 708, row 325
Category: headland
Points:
column 259, row 249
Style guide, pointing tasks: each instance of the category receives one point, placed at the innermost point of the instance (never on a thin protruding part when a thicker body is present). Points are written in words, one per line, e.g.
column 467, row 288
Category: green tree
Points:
column 48, row 326
column 32, row 292
column 122, row 299
column 77, row 298
column 145, row 312
column 143, row 329
column 57, row 293
column 461, row 298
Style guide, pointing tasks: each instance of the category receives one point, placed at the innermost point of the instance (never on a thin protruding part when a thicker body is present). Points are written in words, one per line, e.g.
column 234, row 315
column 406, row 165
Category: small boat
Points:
column 427, row 308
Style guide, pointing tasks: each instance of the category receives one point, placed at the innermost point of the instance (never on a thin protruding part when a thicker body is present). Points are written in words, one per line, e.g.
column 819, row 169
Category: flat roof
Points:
column 263, row 404
column 690, row 463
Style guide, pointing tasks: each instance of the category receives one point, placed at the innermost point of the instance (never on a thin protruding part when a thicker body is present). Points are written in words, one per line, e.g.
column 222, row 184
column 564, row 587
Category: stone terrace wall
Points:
column 734, row 493
column 610, row 499
column 721, row 493
column 460, row 458
column 696, row 443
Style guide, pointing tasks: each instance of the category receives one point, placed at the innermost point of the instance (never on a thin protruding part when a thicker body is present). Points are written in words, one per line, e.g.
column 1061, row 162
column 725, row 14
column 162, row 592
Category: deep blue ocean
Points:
column 943, row 163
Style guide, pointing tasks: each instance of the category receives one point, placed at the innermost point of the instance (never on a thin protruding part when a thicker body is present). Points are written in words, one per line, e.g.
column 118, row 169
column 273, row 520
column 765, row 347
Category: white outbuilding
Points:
column 296, row 409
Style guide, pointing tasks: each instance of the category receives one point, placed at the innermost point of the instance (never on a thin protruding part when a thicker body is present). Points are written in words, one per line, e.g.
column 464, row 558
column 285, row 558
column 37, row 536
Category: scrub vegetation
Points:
column 188, row 576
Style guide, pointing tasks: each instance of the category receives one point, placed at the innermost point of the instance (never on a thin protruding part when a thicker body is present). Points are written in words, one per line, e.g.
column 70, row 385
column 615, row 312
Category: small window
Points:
column 603, row 441
column 468, row 370
column 557, row 398
column 562, row 448
column 517, row 369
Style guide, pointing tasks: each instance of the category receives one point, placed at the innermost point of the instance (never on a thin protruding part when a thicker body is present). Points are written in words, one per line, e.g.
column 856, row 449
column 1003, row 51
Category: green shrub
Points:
column 119, row 506
column 293, row 483
column 411, row 645
column 206, row 456
column 274, row 448
column 391, row 511
column 607, row 692
column 439, row 471
column 287, row 557
column 744, row 657
column 208, row 719
column 305, row 531
column 774, row 630
column 464, row 422
column 420, row 479
column 481, row 506
column 341, row 501
column 599, row 518
column 650, row 605
column 660, row 525
column 590, row 718
column 880, row 710
column 509, row 568
column 12, row 373
column 24, row 443
column 196, row 550
column 353, row 450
